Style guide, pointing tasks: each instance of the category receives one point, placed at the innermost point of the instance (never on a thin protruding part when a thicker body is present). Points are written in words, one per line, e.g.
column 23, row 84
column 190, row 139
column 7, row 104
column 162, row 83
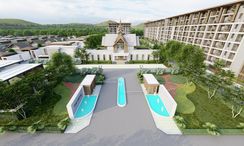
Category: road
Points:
column 131, row 125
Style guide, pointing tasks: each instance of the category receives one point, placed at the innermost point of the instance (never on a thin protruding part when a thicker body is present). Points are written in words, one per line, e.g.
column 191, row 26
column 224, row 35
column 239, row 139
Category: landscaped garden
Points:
column 207, row 103
column 38, row 101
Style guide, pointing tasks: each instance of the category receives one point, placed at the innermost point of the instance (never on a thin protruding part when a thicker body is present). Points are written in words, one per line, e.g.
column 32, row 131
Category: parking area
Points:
column 113, row 125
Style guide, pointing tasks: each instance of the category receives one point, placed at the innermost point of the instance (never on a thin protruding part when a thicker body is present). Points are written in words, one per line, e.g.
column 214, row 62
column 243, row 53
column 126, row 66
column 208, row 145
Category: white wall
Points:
column 74, row 102
column 168, row 100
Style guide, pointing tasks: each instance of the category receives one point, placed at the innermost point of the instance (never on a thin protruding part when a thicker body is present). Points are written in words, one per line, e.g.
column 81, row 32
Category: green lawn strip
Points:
column 74, row 78
column 60, row 107
column 206, row 110
column 204, row 132
column 184, row 105
column 178, row 79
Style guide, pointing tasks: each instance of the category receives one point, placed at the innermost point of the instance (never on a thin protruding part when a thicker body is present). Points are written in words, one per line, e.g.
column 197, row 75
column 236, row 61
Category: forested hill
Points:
column 16, row 23
column 19, row 27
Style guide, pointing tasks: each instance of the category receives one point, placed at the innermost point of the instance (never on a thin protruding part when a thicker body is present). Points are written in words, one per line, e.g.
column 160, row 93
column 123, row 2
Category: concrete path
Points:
column 122, row 66
column 114, row 126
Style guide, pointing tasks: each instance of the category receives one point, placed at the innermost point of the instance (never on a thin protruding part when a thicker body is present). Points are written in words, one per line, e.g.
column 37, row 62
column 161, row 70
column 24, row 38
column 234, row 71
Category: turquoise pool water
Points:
column 121, row 99
column 156, row 104
column 86, row 106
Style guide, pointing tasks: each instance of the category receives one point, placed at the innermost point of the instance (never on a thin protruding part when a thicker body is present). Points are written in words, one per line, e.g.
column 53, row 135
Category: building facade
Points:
column 218, row 30
column 113, row 27
column 120, row 48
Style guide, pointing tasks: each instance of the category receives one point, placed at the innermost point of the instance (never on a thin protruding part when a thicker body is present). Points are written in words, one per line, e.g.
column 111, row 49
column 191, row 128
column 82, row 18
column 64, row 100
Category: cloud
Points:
column 93, row 11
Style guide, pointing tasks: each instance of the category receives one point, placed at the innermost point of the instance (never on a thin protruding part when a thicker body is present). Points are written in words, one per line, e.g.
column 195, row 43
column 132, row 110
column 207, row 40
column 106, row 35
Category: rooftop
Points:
column 5, row 63
column 16, row 70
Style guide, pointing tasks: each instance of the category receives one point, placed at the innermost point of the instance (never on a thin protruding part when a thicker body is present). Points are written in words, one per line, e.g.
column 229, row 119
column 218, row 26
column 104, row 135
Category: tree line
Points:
column 189, row 60
column 61, row 30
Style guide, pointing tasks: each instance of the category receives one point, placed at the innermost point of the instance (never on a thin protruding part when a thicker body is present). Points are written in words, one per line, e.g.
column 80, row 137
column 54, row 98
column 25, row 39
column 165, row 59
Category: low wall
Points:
column 168, row 100
column 75, row 101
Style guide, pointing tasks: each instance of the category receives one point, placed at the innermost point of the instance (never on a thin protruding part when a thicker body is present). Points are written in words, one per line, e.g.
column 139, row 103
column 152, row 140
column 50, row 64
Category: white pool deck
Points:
column 165, row 124
column 77, row 125
column 122, row 66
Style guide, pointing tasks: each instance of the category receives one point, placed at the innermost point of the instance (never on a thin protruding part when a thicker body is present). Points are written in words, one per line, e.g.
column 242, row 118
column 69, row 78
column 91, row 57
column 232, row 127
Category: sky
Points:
column 95, row 11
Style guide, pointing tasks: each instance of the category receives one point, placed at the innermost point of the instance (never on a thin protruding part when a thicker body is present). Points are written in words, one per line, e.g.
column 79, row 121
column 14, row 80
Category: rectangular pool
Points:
column 121, row 94
column 86, row 106
column 156, row 105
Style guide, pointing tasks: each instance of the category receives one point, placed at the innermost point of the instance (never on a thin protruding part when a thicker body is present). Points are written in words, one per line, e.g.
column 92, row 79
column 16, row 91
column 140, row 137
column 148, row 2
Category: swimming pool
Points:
column 86, row 106
column 121, row 94
column 157, row 105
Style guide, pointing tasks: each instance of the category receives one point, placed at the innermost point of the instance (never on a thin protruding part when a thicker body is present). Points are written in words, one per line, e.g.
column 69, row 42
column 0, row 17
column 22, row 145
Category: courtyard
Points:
column 113, row 125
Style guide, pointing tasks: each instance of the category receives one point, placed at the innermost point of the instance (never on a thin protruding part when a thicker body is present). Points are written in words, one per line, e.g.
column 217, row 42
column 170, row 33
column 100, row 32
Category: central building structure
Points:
column 120, row 47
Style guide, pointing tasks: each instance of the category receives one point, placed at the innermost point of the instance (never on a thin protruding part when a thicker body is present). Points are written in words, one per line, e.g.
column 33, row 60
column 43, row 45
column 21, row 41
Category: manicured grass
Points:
column 178, row 79
column 207, row 110
column 73, row 78
column 60, row 107
column 184, row 105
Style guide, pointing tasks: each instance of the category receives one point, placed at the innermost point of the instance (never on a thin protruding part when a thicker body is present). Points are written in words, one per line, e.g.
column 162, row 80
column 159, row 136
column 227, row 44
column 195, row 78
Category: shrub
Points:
column 63, row 124
column 142, row 62
column 241, row 126
column 211, row 128
column 100, row 79
column 2, row 130
column 180, row 122
column 99, row 62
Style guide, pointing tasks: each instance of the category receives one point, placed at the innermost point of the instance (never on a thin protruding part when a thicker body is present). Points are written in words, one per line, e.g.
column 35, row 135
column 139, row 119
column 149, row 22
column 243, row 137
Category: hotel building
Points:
column 217, row 30
column 113, row 27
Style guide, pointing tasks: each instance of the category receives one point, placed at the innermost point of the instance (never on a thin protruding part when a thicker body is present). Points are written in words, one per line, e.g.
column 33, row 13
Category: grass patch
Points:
column 74, row 78
column 206, row 110
column 160, row 79
column 178, row 79
column 184, row 105
column 60, row 107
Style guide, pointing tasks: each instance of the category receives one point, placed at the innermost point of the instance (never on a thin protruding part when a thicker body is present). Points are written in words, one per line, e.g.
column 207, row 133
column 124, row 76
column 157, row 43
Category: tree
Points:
column 15, row 96
column 82, row 54
column 191, row 62
column 60, row 66
column 221, row 78
column 138, row 32
column 236, row 96
column 94, row 41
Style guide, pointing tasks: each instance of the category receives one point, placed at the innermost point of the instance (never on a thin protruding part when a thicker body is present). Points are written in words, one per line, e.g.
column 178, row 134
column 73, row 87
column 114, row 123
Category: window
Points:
column 236, row 26
column 240, row 16
column 92, row 57
column 98, row 57
column 142, row 57
column 136, row 56
column 131, row 57
column 104, row 58
column 148, row 57
column 110, row 57
column 232, row 35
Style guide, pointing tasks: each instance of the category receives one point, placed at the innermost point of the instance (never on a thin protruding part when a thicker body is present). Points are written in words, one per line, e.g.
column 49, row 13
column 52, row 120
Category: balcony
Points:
column 207, row 43
column 231, row 56
column 225, row 28
column 219, row 45
column 239, row 38
column 235, row 47
column 216, row 52
column 222, row 37
column 202, row 28
column 209, row 35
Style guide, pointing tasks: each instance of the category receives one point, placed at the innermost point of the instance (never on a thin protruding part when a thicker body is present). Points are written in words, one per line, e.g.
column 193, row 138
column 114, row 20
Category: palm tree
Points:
column 82, row 54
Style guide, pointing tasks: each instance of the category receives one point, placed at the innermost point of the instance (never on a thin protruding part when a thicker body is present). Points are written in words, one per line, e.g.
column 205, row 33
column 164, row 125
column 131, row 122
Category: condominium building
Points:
column 113, row 27
column 217, row 30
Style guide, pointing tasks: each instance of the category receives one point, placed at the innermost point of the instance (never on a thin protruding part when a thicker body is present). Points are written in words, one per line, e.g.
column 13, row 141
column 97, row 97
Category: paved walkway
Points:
column 112, row 125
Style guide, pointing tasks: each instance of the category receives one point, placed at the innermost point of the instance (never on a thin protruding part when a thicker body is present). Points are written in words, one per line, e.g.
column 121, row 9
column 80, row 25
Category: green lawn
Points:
column 60, row 107
column 207, row 110
column 184, row 105
column 178, row 79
